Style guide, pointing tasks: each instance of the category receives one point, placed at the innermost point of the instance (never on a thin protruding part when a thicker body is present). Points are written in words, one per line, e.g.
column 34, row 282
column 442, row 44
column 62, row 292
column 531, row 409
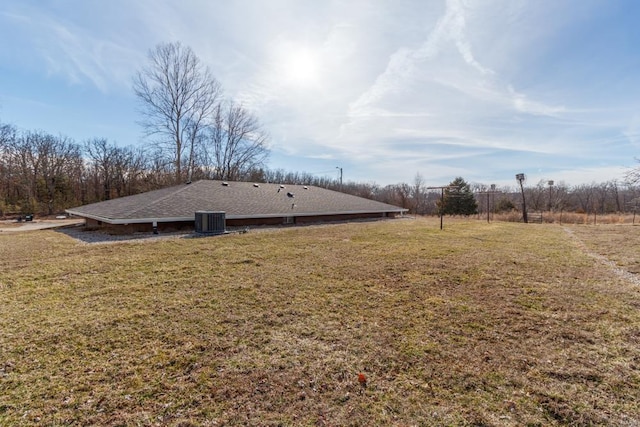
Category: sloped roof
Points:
column 236, row 199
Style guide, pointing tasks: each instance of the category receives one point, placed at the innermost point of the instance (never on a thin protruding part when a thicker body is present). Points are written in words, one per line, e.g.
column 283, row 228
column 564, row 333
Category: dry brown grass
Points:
column 481, row 324
column 569, row 218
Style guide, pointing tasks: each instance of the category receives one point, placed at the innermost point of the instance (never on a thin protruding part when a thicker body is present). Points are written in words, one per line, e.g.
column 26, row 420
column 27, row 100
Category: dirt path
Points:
column 633, row 278
column 13, row 227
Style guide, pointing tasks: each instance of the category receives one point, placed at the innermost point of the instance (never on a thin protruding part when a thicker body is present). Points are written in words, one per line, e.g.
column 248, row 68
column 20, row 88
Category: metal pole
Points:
column 441, row 206
column 488, row 221
column 524, row 204
column 493, row 200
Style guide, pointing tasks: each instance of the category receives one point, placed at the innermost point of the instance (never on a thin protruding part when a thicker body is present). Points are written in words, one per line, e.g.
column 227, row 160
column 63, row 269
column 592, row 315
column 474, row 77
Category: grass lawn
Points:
column 479, row 324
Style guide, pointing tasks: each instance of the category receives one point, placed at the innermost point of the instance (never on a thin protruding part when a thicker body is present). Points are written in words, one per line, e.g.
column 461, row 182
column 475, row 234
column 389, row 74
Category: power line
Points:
column 442, row 188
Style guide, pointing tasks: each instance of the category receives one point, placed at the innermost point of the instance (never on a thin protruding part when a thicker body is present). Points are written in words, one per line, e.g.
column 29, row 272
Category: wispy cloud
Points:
column 404, row 62
column 524, row 105
column 72, row 51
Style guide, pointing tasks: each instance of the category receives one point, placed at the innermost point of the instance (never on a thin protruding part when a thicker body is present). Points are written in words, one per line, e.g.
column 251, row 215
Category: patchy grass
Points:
column 479, row 324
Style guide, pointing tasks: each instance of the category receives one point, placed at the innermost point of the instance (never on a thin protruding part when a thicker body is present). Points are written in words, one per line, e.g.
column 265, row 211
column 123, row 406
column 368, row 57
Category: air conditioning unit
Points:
column 210, row 222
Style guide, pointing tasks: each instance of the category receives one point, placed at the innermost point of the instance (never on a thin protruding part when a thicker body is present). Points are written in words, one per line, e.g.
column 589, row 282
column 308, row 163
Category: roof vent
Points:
column 210, row 222
column 225, row 183
column 289, row 194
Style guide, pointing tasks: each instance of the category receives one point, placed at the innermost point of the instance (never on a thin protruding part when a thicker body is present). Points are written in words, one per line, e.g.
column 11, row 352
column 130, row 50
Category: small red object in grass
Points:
column 362, row 379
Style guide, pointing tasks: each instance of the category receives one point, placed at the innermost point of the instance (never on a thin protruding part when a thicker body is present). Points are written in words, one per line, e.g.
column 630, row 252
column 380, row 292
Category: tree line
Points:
column 602, row 198
column 44, row 174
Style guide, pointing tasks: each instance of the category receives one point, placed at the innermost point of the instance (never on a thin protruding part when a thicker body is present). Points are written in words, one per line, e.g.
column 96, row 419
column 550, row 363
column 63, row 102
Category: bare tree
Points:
column 101, row 157
column 157, row 172
column 129, row 165
column 115, row 168
column 419, row 194
column 56, row 154
column 43, row 163
column 236, row 143
column 601, row 194
column 559, row 194
column 584, row 194
column 7, row 137
column 71, row 188
column 537, row 197
column 632, row 176
column 7, row 133
column 614, row 185
column 403, row 195
column 178, row 95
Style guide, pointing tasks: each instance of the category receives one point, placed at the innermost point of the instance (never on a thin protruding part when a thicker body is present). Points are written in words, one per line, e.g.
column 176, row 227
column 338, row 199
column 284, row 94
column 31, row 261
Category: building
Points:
column 243, row 204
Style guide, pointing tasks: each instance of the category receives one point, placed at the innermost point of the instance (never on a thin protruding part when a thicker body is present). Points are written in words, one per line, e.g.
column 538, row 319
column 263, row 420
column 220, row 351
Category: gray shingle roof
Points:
column 237, row 200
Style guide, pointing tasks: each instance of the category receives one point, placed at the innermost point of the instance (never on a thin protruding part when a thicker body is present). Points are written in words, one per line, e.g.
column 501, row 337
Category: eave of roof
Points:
column 192, row 218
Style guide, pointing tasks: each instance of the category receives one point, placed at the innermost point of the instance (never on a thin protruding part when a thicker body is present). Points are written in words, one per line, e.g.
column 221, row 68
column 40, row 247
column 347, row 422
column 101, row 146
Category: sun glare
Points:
column 301, row 68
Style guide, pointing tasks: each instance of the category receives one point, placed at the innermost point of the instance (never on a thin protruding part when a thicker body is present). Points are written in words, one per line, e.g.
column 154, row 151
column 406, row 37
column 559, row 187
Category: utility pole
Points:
column 338, row 167
column 520, row 177
column 550, row 182
column 442, row 188
column 488, row 193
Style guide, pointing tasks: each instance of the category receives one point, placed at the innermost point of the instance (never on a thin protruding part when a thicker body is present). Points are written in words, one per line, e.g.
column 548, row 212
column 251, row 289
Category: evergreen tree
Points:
column 458, row 199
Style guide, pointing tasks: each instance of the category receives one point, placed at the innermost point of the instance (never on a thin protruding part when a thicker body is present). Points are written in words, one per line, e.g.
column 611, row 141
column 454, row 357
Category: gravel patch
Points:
column 79, row 233
column 98, row 237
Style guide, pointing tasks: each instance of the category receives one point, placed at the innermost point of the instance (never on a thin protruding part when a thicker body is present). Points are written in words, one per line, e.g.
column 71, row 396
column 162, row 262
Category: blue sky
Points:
column 482, row 89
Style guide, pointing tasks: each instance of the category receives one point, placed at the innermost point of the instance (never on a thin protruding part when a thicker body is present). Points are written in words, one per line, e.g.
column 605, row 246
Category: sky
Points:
column 384, row 90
